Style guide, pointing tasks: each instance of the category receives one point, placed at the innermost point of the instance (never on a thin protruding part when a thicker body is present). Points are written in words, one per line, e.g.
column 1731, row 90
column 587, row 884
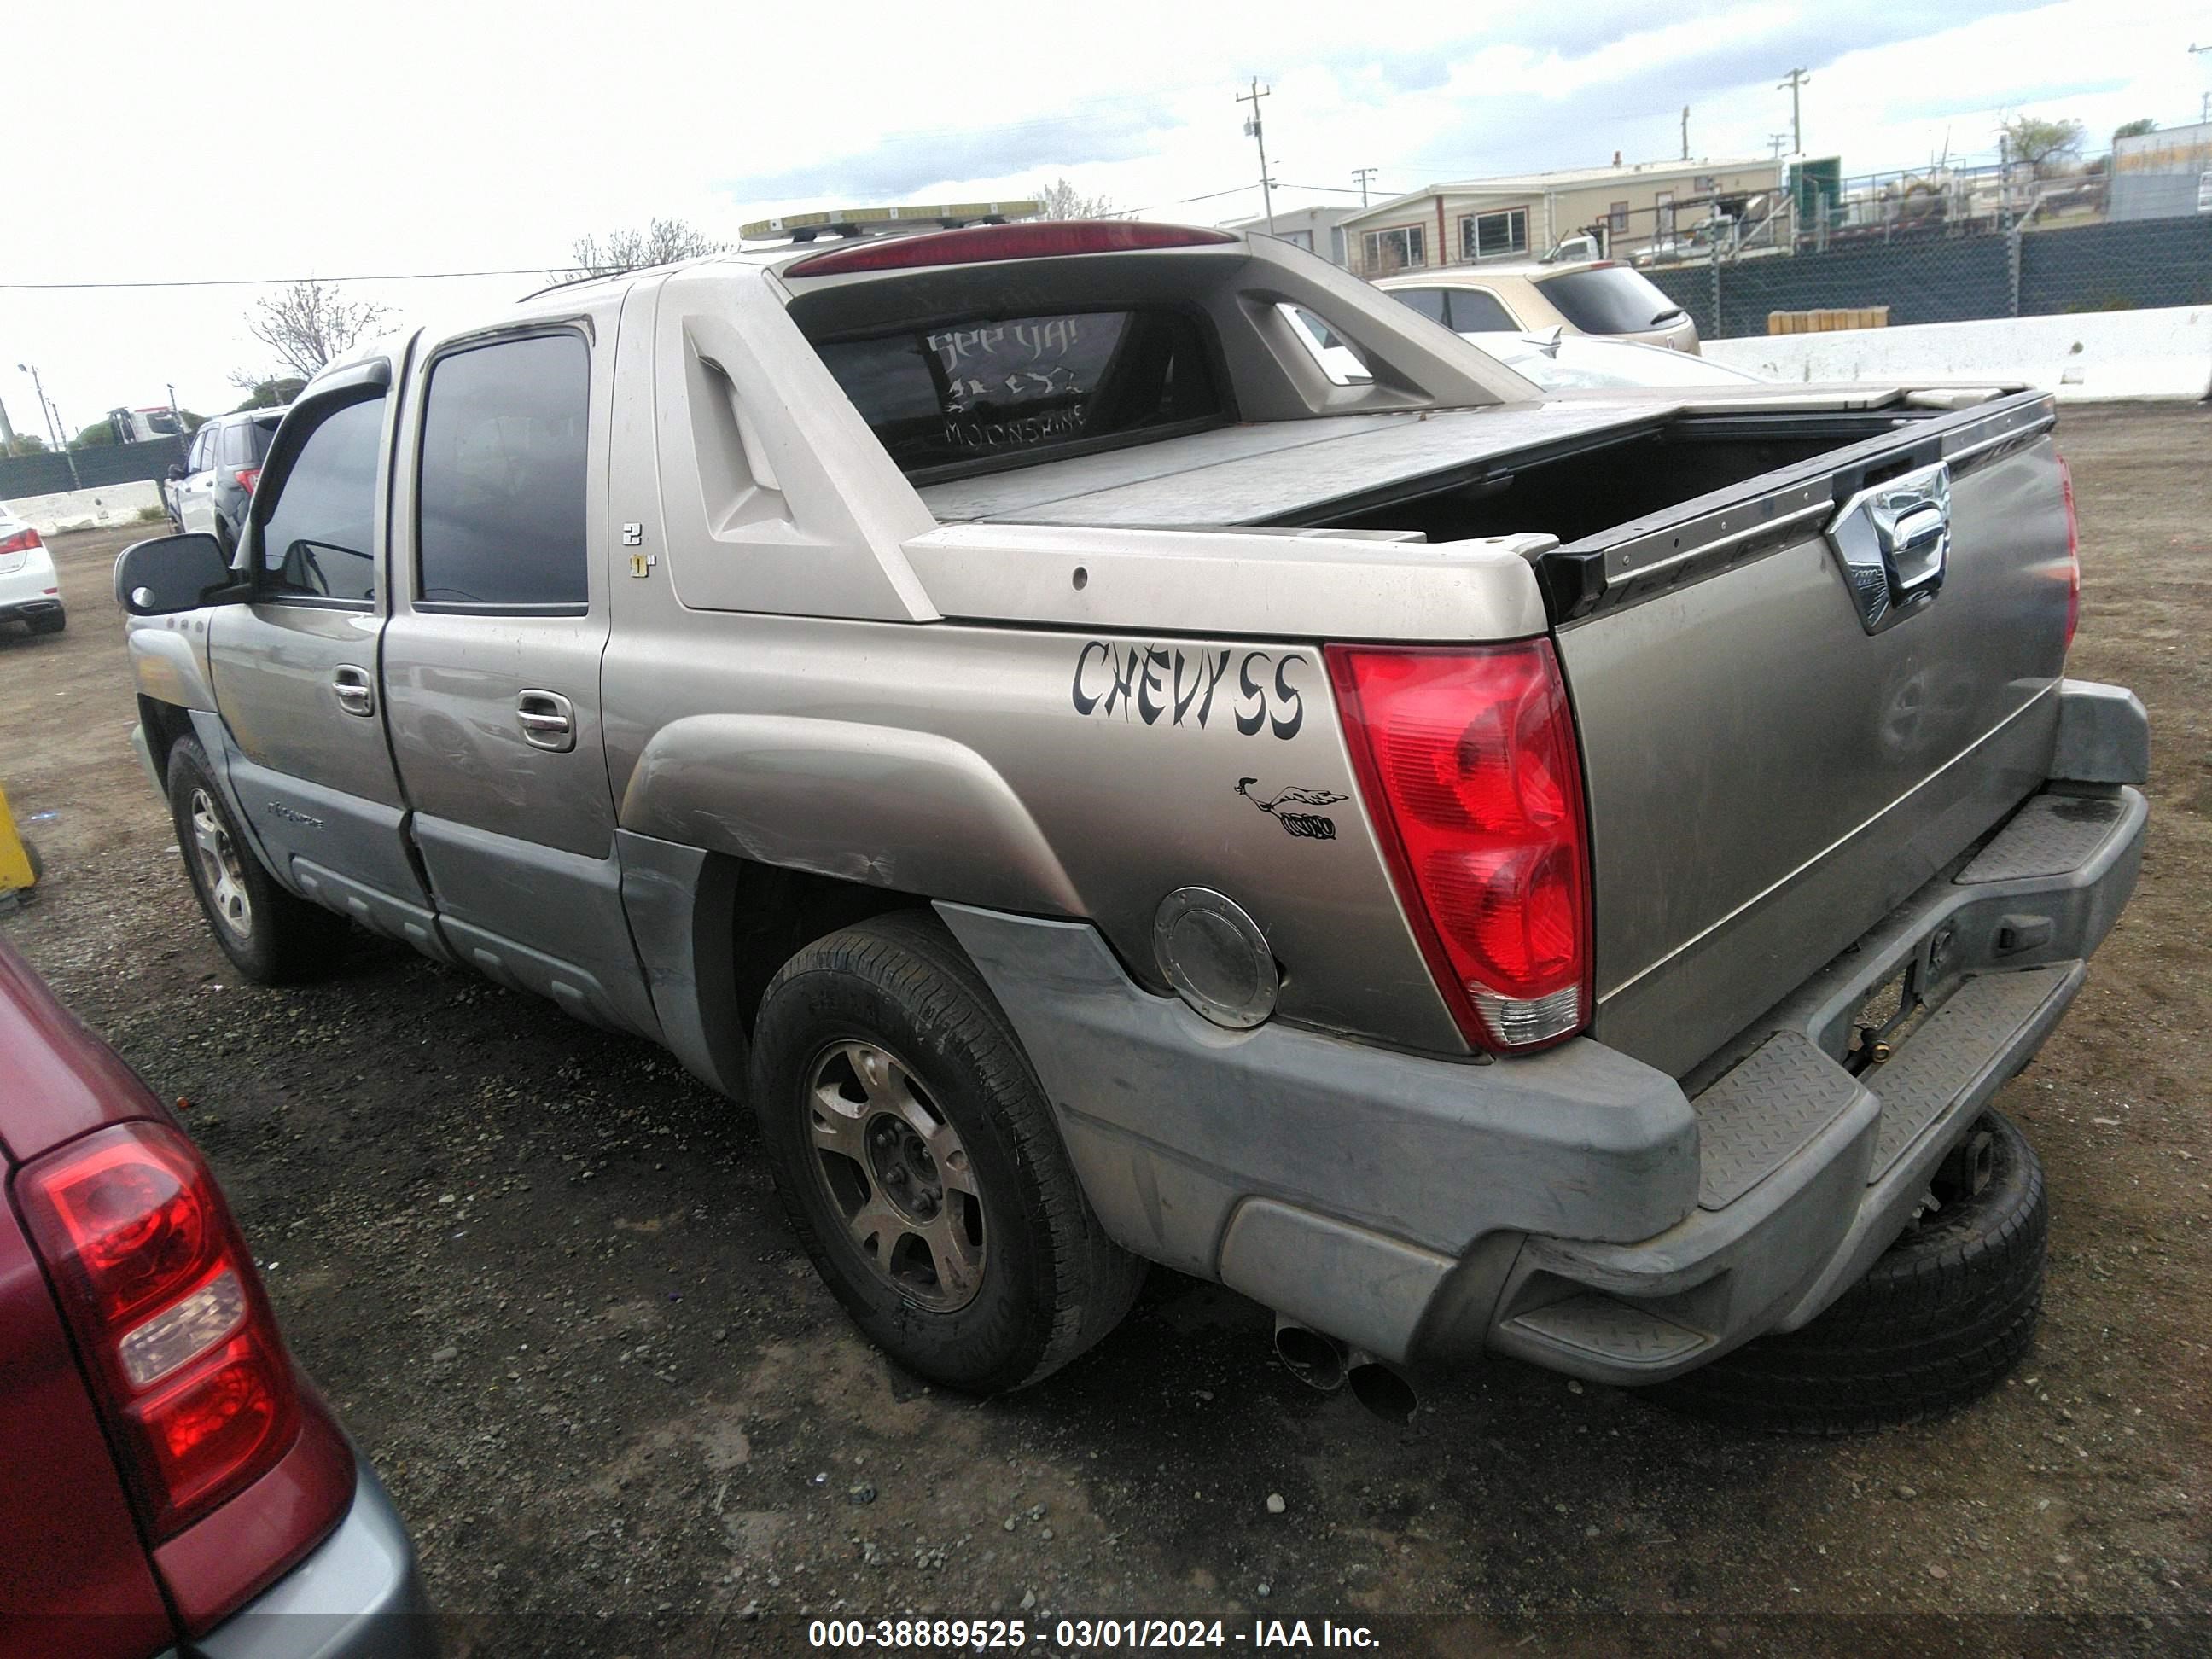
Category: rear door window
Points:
column 318, row 540
column 1609, row 300
column 1019, row 389
column 499, row 504
column 1429, row 301
column 1478, row 311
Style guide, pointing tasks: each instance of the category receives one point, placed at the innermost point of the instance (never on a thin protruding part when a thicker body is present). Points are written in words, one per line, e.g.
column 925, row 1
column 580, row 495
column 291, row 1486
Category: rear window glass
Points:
column 1006, row 389
column 1609, row 300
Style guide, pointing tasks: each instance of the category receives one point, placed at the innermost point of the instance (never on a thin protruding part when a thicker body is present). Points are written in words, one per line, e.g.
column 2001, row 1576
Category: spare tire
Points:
column 1939, row 1320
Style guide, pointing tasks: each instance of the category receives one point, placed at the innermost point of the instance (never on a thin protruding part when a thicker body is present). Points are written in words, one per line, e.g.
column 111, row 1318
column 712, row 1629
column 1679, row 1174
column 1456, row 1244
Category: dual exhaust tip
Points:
column 1320, row 1361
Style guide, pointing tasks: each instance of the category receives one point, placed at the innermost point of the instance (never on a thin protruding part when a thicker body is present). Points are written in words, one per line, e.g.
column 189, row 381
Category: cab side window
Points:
column 500, row 500
column 318, row 541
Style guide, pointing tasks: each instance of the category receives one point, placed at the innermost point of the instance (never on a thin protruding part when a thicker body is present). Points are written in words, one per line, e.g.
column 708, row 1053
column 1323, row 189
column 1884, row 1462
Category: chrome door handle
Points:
column 355, row 691
column 548, row 720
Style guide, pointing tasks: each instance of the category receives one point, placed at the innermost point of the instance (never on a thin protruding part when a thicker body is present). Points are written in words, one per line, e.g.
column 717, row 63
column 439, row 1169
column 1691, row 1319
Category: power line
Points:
column 281, row 282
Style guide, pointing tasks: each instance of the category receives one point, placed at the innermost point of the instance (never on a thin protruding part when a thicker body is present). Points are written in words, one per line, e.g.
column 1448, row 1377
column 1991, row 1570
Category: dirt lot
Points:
column 547, row 1286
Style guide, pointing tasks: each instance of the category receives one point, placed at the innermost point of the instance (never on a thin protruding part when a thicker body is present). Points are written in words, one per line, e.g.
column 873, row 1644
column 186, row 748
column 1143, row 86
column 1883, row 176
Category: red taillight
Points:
column 246, row 477
column 1472, row 778
column 21, row 542
column 169, row 1314
column 2073, row 552
column 1050, row 240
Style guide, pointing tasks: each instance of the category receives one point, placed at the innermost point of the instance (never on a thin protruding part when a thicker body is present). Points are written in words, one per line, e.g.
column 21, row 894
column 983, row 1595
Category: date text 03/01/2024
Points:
column 903, row 1635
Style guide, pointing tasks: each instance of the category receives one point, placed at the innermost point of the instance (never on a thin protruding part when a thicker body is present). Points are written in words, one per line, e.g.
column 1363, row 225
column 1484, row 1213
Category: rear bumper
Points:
column 1577, row 1208
column 357, row 1595
column 27, row 609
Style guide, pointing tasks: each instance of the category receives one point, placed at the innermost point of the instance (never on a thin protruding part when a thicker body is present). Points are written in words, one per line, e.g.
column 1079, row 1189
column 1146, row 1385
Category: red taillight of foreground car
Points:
column 1468, row 765
column 169, row 1314
column 2073, row 552
column 246, row 477
column 21, row 542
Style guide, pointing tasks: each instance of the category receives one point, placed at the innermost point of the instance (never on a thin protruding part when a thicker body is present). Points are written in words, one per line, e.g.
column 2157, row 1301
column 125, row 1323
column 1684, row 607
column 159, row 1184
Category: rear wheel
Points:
column 271, row 936
column 1939, row 1318
column 917, row 1158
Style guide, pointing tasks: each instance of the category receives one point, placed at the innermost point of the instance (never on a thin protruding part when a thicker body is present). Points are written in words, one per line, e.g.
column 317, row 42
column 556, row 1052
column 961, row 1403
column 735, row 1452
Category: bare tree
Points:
column 2039, row 142
column 307, row 325
column 1061, row 200
column 659, row 243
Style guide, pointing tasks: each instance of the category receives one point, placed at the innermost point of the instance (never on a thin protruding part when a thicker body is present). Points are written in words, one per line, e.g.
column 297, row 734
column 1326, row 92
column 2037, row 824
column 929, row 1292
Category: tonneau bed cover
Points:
column 1292, row 471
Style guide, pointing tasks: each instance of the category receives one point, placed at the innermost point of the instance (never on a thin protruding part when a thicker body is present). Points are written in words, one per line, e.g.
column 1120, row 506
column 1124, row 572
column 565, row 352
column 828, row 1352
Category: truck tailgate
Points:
column 1767, row 774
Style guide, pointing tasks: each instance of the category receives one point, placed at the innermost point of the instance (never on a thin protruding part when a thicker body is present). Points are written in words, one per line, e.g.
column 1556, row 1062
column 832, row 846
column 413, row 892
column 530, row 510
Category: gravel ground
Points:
column 547, row 1285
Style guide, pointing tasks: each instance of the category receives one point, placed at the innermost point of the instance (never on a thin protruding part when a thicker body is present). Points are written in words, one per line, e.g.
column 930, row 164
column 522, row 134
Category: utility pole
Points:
column 2203, row 103
column 1252, row 127
column 1686, row 132
column 1365, row 175
column 1797, row 79
column 1775, row 142
column 6, row 433
column 45, row 408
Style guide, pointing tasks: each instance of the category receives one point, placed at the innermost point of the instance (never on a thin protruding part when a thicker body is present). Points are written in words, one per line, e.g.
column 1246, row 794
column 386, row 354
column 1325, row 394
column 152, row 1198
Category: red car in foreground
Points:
column 170, row 1484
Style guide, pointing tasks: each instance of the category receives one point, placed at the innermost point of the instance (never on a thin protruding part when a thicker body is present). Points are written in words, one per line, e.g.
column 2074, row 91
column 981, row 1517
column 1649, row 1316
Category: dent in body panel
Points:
column 681, row 904
column 879, row 804
column 494, row 890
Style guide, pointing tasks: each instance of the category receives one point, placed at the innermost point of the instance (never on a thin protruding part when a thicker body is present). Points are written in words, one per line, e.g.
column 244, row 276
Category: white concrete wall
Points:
column 2079, row 356
column 91, row 509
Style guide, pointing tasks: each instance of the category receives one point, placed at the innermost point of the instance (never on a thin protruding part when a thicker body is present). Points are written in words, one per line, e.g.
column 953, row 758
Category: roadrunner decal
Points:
column 1309, row 826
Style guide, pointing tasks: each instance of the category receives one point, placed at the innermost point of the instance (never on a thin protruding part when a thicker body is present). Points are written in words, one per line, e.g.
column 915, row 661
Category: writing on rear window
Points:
column 1005, row 386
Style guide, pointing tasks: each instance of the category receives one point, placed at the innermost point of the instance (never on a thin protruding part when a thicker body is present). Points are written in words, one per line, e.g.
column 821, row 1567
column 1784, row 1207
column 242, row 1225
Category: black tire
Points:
column 1050, row 1282
column 284, row 939
column 53, row 622
column 1938, row 1320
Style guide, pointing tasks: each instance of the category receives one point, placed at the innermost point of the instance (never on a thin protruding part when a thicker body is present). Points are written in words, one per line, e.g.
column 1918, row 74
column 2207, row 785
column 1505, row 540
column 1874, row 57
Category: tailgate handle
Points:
column 1893, row 542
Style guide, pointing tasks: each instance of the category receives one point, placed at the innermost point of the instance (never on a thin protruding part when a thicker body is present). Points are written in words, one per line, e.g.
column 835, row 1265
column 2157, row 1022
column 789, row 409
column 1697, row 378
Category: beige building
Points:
column 1626, row 209
column 1316, row 230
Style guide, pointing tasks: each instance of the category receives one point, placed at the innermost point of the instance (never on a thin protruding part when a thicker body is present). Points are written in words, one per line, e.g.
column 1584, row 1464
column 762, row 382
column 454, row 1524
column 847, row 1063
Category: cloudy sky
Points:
column 335, row 138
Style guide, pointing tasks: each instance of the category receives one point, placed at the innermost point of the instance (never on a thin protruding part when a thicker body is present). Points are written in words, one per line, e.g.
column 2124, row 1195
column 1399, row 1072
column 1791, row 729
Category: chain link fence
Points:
column 1948, row 278
column 1944, row 246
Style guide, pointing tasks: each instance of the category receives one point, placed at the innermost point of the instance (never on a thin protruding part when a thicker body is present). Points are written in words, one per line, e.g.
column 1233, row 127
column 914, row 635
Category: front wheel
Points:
column 918, row 1161
column 271, row 936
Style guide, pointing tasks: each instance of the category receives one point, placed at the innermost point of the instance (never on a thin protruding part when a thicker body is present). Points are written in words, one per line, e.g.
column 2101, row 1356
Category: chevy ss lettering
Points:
column 1151, row 681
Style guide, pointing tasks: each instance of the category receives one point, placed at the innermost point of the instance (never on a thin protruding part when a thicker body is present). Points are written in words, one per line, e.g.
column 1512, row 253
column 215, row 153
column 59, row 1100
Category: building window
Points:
column 1493, row 235
column 1616, row 219
column 1663, row 215
column 1394, row 250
